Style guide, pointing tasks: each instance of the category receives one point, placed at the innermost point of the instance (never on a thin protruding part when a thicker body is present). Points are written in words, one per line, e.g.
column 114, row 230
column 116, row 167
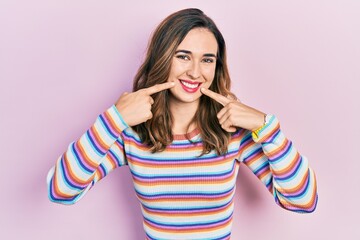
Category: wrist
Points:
column 262, row 123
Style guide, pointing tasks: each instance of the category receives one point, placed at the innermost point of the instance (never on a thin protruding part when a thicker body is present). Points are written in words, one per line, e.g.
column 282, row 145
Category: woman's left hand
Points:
column 236, row 114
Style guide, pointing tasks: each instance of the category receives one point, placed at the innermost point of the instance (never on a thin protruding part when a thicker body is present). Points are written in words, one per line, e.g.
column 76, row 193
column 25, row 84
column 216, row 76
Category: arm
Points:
column 87, row 160
column 282, row 169
column 100, row 149
column 269, row 154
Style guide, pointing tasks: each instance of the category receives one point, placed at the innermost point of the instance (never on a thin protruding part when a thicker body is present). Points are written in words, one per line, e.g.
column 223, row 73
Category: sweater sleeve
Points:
column 282, row 169
column 87, row 160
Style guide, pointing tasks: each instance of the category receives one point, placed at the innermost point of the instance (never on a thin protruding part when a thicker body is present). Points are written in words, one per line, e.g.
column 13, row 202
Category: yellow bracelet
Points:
column 255, row 133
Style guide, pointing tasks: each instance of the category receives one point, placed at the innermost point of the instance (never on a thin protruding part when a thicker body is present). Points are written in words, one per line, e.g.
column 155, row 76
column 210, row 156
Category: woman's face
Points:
column 193, row 65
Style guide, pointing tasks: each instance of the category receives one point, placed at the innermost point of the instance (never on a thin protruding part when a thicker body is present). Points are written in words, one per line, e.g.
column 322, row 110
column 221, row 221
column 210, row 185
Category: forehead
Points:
column 199, row 41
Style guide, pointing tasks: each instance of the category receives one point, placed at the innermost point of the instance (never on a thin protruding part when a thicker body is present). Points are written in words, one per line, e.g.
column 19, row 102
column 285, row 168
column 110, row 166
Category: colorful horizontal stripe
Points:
column 182, row 195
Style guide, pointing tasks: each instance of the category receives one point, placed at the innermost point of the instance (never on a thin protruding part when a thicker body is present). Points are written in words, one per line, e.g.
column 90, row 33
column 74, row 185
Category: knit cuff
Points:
column 114, row 120
column 267, row 131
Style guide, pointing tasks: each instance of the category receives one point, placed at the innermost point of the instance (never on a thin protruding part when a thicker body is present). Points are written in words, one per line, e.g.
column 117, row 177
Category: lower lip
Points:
column 189, row 90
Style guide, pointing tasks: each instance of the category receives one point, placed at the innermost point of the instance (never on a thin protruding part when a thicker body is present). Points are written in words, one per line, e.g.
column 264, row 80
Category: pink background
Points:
column 64, row 62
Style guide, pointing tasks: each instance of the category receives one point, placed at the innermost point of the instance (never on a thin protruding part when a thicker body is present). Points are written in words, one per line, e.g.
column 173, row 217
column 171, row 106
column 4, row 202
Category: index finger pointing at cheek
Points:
column 159, row 87
column 217, row 97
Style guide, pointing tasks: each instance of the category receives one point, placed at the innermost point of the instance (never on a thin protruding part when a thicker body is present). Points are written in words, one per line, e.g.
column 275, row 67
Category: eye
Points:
column 208, row 60
column 183, row 57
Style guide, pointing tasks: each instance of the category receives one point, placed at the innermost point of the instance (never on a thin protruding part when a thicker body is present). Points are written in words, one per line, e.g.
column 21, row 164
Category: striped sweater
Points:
column 182, row 195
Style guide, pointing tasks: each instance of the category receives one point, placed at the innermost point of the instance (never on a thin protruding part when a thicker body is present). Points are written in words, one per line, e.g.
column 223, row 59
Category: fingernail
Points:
column 202, row 89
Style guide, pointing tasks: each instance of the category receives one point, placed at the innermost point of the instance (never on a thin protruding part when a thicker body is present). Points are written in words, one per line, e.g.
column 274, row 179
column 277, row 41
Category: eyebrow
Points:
column 189, row 52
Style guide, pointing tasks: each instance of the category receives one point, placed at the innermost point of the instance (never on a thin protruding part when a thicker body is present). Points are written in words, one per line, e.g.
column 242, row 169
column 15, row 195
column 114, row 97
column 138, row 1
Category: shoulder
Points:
column 129, row 134
column 239, row 134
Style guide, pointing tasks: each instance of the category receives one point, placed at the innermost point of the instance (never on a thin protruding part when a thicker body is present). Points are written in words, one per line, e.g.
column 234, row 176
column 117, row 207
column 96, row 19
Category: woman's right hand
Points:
column 135, row 107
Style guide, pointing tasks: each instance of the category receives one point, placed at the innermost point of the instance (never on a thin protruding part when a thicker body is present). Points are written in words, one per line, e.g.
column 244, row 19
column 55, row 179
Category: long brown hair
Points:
column 156, row 132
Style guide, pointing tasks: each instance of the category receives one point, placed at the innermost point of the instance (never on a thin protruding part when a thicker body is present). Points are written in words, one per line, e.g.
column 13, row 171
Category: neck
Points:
column 183, row 114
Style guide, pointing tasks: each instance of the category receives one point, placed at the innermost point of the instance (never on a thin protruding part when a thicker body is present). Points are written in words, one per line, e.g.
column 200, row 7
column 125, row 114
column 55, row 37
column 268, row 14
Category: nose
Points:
column 194, row 70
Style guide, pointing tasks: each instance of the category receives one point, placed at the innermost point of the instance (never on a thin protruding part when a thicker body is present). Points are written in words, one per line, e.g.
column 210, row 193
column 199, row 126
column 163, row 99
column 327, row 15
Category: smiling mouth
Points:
column 190, row 87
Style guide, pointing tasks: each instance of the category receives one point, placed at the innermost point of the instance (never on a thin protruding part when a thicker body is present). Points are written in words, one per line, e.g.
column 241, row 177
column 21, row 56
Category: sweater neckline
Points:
column 190, row 135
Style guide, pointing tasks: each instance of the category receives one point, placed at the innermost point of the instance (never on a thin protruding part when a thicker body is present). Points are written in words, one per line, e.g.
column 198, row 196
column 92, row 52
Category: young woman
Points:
column 183, row 135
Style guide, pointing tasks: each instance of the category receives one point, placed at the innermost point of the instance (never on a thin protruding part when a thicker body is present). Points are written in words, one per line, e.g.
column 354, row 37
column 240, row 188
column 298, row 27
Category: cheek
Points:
column 177, row 68
column 209, row 75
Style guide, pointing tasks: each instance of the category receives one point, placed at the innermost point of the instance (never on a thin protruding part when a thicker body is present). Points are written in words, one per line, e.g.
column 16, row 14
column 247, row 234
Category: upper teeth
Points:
column 190, row 85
